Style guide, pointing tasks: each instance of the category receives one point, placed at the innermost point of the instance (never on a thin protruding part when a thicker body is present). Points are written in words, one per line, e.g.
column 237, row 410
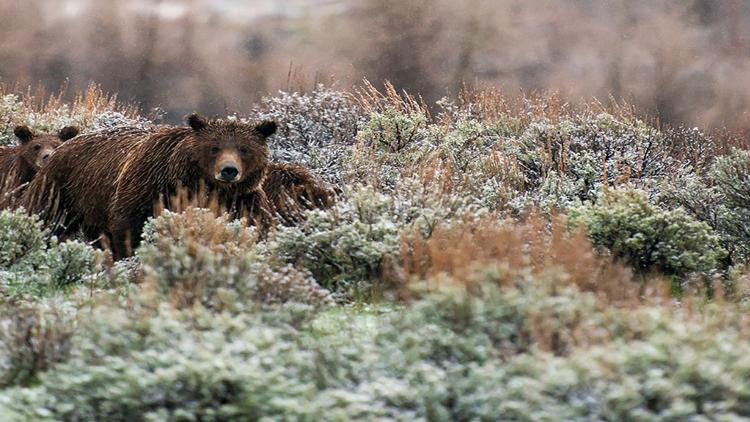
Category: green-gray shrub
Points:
column 721, row 198
column 648, row 237
column 32, row 262
column 33, row 338
column 342, row 247
column 453, row 355
column 196, row 257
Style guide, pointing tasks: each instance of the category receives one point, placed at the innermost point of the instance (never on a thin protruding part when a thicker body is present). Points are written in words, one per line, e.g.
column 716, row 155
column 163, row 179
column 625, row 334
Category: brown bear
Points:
column 291, row 189
column 19, row 163
column 73, row 190
column 110, row 182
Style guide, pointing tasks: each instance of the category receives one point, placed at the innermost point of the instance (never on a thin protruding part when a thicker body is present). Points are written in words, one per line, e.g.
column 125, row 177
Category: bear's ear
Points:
column 68, row 132
column 197, row 122
column 23, row 133
column 266, row 128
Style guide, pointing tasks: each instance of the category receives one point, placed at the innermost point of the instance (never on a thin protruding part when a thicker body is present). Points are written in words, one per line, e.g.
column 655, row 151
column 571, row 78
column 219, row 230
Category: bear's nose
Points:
column 229, row 173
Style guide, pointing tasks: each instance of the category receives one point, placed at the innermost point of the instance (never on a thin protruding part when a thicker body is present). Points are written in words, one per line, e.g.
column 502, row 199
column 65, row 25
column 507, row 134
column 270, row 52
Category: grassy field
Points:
column 488, row 258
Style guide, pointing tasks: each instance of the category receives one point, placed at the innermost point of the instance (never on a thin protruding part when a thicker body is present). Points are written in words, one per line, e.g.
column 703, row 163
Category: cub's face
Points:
column 231, row 153
column 36, row 149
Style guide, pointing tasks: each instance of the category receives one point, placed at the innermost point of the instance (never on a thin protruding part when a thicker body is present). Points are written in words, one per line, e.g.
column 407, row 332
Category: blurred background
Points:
column 684, row 61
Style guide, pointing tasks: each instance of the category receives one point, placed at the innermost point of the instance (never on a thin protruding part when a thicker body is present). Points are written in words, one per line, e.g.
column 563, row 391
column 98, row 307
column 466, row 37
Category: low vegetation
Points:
column 491, row 260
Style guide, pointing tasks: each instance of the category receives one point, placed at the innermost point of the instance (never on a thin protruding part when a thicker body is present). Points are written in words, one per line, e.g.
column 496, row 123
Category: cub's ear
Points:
column 197, row 122
column 266, row 128
column 23, row 133
column 68, row 132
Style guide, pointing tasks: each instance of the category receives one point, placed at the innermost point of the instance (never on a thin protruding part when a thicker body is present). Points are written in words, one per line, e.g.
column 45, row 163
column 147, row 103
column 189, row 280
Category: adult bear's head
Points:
column 229, row 152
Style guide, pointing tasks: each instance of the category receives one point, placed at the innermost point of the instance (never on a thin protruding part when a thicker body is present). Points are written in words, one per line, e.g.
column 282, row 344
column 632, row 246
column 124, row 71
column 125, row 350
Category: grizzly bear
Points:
column 19, row 163
column 110, row 182
column 72, row 192
column 291, row 189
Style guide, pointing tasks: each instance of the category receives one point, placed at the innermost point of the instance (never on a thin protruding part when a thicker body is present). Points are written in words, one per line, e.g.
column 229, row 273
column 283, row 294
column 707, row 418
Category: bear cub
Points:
column 20, row 163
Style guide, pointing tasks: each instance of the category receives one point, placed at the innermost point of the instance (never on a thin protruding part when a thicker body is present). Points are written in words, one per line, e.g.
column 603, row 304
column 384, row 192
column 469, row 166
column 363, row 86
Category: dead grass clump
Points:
column 371, row 100
column 463, row 253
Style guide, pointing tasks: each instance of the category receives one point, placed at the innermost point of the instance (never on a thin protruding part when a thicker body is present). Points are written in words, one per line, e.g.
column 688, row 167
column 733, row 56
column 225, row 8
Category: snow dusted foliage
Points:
column 571, row 160
column 112, row 119
column 648, row 237
column 197, row 257
column 32, row 262
column 33, row 337
column 492, row 354
column 90, row 110
column 449, row 281
column 316, row 129
column 343, row 247
column 721, row 198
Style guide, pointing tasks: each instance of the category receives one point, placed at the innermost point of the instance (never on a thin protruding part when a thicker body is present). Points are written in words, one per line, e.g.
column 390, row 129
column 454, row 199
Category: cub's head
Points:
column 230, row 152
column 35, row 149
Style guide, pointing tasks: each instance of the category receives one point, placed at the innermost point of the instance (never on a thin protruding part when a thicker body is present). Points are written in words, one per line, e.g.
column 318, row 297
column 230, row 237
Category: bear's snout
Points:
column 228, row 172
column 228, row 168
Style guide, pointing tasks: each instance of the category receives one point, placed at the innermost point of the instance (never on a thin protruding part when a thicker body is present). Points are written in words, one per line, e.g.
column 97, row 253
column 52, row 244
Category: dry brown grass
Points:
column 371, row 100
column 92, row 100
column 534, row 246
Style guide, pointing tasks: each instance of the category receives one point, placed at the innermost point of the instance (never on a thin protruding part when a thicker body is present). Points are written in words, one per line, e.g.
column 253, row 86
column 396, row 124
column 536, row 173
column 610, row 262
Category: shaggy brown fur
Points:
column 291, row 189
column 73, row 191
column 19, row 164
column 109, row 182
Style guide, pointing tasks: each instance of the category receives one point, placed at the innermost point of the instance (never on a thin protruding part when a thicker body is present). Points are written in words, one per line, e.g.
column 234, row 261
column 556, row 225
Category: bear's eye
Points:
column 244, row 151
column 37, row 147
column 214, row 150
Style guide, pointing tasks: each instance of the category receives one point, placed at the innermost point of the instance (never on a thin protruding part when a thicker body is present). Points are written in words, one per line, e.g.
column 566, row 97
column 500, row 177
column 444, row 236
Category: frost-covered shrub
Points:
column 683, row 374
column 531, row 352
column 691, row 148
column 113, row 119
column 33, row 263
column 466, row 143
column 427, row 202
column 196, row 257
column 731, row 177
column 588, row 152
column 67, row 261
column 33, row 337
column 648, row 237
column 342, row 247
column 289, row 284
column 10, row 111
column 492, row 323
column 176, row 366
column 476, row 160
column 393, row 131
column 315, row 129
column 731, row 174
column 391, row 143
column 22, row 239
column 721, row 198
